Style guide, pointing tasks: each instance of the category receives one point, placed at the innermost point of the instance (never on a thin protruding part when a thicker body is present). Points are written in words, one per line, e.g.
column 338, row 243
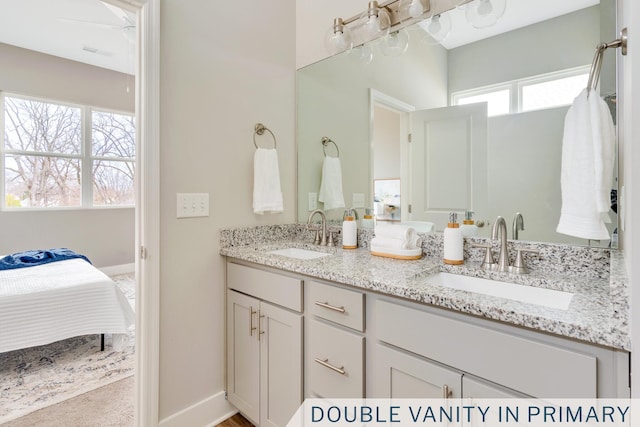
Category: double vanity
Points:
column 312, row 321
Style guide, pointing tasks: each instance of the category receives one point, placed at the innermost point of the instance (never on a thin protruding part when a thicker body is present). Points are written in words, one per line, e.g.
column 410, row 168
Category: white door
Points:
column 243, row 354
column 448, row 162
column 281, row 364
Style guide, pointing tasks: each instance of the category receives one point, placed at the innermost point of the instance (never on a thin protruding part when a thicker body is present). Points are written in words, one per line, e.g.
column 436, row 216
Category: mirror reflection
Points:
column 484, row 111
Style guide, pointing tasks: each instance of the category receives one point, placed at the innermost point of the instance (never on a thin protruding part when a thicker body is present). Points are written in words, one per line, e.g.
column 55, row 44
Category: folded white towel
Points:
column 587, row 168
column 267, row 195
column 331, row 185
column 395, row 243
column 397, row 236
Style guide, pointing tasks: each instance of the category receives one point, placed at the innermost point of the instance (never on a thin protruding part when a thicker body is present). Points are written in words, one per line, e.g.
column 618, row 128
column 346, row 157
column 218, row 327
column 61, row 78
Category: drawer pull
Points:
column 446, row 392
column 326, row 364
column 330, row 307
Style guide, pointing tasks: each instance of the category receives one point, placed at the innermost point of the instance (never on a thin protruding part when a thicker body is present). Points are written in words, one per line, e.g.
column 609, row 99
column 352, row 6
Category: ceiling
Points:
column 97, row 33
column 89, row 31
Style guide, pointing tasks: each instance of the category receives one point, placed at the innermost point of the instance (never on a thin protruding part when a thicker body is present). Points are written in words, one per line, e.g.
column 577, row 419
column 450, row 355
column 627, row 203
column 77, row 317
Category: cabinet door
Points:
column 403, row 376
column 243, row 354
column 281, row 364
column 475, row 388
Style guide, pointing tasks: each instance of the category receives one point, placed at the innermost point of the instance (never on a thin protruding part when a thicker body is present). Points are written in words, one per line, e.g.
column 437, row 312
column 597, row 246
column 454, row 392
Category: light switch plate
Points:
column 192, row 205
column 358, row 200
column 313, row 201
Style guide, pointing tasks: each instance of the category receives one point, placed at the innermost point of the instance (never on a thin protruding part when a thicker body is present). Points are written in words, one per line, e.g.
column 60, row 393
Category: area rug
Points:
column 36, row 377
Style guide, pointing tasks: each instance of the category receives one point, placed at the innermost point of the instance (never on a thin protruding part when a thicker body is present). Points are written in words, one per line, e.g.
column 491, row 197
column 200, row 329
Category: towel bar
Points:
column 325, row 141
column 596, row 66
column 259, row 130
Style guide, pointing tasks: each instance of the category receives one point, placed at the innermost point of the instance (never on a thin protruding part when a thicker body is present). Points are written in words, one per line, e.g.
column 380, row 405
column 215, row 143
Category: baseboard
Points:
column 206, row 413
column 114, row 270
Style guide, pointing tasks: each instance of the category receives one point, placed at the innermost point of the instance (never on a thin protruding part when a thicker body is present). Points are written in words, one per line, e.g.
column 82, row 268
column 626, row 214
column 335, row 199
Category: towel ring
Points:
column 259, row 130
column 325, row 142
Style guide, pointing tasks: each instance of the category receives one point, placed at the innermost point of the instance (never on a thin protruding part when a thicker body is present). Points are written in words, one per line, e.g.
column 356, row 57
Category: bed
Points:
column 45, row 303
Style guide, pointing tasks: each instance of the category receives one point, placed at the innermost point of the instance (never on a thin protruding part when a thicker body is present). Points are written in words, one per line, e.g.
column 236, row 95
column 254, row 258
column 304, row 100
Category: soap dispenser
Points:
column 349, row 229
column 453, row 242
column 367, row 220
column 469, row 227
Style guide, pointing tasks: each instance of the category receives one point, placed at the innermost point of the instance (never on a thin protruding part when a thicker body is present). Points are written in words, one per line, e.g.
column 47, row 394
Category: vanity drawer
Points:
column 276, row 288
column 335, row 362
column 338, row 305
column 529, row 366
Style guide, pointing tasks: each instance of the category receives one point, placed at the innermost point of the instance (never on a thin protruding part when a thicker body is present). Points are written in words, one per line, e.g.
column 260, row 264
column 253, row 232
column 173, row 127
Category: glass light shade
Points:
column 485, row 13
column 395, row 44
column 362, row 54
column 409, row 9
column 437, row 27
column 374, row 23
column 338, row 38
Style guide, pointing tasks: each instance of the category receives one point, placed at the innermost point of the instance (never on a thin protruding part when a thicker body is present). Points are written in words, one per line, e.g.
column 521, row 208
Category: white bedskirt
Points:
column 47, row 303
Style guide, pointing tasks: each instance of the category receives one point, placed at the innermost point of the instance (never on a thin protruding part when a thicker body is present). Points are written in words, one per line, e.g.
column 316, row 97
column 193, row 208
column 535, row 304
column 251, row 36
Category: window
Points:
column 543, row 91
column 61, row 155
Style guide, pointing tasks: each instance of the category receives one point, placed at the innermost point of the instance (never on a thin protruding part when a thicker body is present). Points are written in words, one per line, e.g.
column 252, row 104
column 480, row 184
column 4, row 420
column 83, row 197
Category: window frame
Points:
column 85, row 157
column 515, row 88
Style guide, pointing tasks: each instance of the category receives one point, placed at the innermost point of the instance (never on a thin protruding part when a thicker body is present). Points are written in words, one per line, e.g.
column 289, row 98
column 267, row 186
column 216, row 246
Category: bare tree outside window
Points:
column 43, row 144
column 113, row 147
column 44, row 155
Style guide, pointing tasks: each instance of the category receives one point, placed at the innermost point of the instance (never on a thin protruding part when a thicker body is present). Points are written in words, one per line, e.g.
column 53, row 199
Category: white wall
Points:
column 223, row 68
column 106, row 236
column 386, row 144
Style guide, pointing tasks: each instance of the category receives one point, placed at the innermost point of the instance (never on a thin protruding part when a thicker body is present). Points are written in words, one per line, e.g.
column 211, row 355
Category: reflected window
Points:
column 532, row 93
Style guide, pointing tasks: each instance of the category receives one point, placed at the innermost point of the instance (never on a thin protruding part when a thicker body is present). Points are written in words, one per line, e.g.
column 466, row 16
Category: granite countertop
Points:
column 598, row 312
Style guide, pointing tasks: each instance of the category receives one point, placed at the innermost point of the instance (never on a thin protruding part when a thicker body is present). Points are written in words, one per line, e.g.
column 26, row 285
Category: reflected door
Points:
column 448, row 163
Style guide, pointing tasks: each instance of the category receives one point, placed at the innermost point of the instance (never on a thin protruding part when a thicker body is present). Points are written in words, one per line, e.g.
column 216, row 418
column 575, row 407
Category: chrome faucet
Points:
column 518, row 223
column 319, row 240
column 503, row 259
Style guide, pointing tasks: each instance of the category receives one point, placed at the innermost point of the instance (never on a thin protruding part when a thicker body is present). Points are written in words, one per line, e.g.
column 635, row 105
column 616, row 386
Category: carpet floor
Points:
column 38, row 377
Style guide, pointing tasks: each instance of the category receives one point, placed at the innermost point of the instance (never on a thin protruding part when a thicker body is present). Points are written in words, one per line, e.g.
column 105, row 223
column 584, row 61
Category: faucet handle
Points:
column 519, row 266
column 488, row 263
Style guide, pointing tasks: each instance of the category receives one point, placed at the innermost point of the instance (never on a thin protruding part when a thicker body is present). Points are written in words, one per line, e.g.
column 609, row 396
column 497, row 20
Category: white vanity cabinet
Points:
column 492, row 359
column 334, row 340
column 264, row 344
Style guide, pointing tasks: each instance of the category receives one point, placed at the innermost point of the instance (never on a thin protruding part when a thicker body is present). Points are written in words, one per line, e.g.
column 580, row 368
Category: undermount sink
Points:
column 513, row 291
column 298, row 253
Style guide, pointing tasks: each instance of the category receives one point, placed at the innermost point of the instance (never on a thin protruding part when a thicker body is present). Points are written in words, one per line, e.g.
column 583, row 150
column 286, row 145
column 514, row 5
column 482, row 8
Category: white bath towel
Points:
column 397, row 237
column 267, row 195
column 394, row 243
column 587, row 168
column 331, row 185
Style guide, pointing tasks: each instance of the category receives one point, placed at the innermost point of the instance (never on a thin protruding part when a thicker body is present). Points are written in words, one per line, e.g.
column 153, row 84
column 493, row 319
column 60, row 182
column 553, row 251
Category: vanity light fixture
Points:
column 374, row 22
column 485, row 13
column 338, row 37
column 438, row 27
column 395, row 43
column 377, row 21
column 386, row 21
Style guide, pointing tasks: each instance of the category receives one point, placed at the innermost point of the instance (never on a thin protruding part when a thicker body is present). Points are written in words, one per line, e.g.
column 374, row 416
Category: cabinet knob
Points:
column 446, row 392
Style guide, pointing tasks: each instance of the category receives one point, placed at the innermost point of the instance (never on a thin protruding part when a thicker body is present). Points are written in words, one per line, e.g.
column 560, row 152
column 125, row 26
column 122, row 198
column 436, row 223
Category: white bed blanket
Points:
column 47, row 303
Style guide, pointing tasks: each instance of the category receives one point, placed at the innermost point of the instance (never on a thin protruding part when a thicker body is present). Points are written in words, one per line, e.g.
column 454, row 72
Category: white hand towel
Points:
column 267, row 195
column 587, row 168
column 394, row 243
column 331, row 185
column 397, row 236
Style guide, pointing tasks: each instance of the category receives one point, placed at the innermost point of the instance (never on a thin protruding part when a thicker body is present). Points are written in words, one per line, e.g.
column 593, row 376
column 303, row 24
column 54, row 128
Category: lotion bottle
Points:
column 469, row 227
column 367, row 220
column 349, row 230
column 453, row 242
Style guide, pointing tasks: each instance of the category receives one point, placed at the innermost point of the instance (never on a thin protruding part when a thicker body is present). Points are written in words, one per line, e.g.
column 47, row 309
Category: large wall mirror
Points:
column 465, row 153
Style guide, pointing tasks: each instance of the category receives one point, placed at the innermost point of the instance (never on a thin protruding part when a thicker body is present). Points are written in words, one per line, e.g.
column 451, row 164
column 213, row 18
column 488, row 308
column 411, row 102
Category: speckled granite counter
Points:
column 598, row 312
